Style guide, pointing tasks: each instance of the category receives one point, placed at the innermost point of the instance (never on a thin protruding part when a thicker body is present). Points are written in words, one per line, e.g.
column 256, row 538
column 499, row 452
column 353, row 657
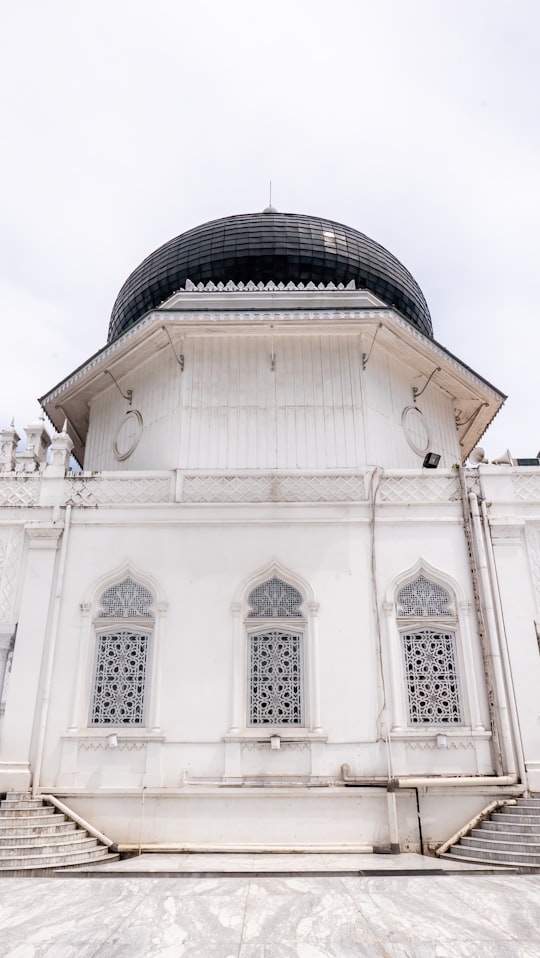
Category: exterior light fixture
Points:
column 431, row 460
column 112, row 741
column 275, row 741
column 442, row 741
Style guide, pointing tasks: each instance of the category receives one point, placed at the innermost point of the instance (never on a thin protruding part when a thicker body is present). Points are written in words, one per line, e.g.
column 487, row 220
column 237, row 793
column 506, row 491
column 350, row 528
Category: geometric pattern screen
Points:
column 276, row 678
column 122, row 657
column 274, row 599
column 120, row 678
column 423, row 597
column 126, row 600
column 432, row 677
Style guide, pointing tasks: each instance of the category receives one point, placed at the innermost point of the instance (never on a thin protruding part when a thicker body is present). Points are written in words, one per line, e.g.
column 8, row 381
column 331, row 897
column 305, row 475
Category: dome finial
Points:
column 270, row 208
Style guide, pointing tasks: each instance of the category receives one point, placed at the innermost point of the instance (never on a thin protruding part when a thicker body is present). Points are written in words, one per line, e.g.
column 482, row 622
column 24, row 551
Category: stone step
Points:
column 477, row 860
column 480, row 840
column 26, row 835
column 44, row 846
column 7, row 803
column 517, row 819
column 29, row 821
column 35, row 812
column 524, row 828
column 43, row 870
column 498, row 835
column 490, row 855
column 531, row 800
column 74, row 857
column 18, row 796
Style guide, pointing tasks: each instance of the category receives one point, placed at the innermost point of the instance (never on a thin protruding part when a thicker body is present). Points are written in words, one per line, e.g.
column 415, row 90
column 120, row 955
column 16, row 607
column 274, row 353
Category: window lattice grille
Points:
column 275, row 599
column 120, row 679
column 126, row 599
column 423, row 597
column 276, row 679
column 432, row 677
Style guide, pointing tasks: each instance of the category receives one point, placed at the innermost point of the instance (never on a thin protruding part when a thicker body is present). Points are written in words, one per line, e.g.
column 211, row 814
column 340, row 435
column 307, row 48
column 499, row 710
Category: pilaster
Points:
column 42, row 544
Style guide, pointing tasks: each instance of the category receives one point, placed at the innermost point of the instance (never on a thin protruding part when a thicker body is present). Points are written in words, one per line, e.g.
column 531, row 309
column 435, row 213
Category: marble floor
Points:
column 222, row 863
column 398, row 916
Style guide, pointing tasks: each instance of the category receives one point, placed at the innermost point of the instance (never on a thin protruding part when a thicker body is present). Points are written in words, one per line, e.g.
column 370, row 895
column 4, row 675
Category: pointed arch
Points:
column 433, row 574
column 126, row 570
column 428, row 650
column 122, row 647
column 275, row 667
column 275, row 569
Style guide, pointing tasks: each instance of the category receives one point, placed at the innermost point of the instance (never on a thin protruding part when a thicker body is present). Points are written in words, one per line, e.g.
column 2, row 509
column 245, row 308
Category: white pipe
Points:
column 69, row 813
column 492, row 636
column 44, row 709
column 425, row 781
column 504, row 646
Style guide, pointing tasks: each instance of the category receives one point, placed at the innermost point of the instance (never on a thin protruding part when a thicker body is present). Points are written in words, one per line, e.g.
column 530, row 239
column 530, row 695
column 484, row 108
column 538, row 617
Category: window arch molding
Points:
column 247, row 625
column 98, row 621
column 452, row 620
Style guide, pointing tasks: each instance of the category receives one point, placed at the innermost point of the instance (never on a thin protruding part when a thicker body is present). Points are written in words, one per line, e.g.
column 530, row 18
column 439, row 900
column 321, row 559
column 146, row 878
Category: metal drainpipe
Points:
column 492, row 637
column 518, row 744
column 44, row 709
column 481, row 625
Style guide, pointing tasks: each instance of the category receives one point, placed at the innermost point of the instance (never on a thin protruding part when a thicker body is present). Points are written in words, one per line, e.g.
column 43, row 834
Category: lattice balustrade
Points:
column 274, row 599
column 273, row 488
column 276, row 679
column 527, row 487
column 419, row 489
column 126, row 599
column 432, row 678
column 19, row 491
column 98, row 491
column 423, row 597
column 120, row 678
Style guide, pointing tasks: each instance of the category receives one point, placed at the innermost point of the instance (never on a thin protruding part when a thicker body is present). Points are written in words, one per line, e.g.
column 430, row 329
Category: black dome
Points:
column 283, row 247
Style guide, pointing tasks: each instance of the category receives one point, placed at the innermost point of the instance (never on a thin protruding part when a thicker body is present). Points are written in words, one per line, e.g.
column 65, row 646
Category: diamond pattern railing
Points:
column 97, row 490
column 274, row 488
column 527, row 487
column 19, row 490
column 419, row 489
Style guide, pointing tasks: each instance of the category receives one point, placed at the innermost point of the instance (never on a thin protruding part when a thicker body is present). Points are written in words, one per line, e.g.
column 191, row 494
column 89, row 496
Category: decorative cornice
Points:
column 252, row 287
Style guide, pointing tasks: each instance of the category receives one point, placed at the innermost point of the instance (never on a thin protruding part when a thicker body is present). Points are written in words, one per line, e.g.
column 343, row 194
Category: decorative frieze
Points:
column 92, row 491
column 526, row 486
column 19, row 490
column 419, row 489
column 251, row 287
column 273, row 488
column 10, row 554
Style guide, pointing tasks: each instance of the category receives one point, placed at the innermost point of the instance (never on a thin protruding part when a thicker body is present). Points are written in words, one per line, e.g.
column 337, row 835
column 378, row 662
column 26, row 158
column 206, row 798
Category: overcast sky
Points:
column 126, row 122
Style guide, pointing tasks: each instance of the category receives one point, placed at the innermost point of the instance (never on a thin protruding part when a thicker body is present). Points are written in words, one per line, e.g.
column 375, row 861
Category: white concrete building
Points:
column 274, row 609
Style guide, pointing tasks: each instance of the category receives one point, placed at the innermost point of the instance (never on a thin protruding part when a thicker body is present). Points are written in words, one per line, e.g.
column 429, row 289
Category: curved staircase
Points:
column 35, row 838
column 507, row 835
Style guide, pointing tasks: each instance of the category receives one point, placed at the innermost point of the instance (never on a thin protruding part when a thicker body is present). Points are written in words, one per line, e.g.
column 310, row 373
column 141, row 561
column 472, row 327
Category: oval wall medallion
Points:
column 128, row 435
column 415, row 429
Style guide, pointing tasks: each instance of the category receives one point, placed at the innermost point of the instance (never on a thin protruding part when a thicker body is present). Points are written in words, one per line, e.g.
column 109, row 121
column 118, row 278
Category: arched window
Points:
column 275, row 655
column 124, row 625
column 426, row 619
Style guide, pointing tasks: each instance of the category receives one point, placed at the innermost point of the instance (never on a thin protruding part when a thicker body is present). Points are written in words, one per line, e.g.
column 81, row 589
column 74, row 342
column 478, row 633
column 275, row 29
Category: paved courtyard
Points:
column 396, row 916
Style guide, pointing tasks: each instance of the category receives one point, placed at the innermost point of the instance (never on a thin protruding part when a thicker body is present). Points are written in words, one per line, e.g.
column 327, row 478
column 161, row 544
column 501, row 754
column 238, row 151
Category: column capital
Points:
column 43, row 535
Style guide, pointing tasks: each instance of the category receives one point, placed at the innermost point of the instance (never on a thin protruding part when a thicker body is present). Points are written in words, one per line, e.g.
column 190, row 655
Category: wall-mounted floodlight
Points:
column 431, row 460
column 112, row 741
column 275, row 741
